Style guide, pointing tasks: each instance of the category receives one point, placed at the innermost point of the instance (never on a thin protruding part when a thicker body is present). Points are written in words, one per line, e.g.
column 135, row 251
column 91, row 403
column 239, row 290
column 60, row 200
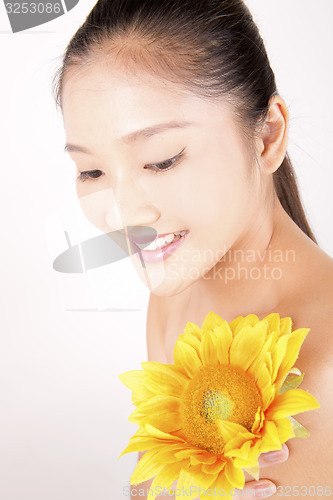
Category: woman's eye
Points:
column 167, row 164
column 89, row 174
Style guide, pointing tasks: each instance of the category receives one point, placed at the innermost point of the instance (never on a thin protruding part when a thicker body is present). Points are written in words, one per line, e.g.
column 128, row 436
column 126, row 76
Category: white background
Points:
column 66, row 337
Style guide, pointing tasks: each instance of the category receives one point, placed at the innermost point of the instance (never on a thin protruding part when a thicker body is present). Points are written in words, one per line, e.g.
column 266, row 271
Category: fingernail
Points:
column 274, row 456
column 265, row 490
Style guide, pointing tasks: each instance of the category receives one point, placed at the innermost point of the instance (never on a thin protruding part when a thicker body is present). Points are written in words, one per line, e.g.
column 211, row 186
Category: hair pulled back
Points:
column 213, row 47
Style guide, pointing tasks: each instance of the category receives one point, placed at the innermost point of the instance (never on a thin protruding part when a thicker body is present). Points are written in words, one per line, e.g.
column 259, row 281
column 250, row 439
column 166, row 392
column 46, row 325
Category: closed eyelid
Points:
column 164, row 161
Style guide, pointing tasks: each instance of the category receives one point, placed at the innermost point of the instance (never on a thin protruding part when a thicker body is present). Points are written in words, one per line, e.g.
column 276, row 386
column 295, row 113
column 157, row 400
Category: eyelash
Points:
column 83, row 176
column 158, row 168
column 174, row 161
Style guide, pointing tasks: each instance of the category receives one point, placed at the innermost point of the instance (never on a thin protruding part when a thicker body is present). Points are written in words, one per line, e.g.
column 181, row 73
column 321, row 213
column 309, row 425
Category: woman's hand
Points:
column 264, row 487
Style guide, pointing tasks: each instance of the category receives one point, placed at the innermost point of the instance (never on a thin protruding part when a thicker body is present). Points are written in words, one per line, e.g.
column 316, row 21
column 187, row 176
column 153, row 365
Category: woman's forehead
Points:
column 105, row 95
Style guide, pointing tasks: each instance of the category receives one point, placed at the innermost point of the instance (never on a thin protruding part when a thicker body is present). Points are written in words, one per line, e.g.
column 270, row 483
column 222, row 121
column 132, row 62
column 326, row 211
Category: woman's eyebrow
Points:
column 136, row 135
column 155, row 129
column 74, row 148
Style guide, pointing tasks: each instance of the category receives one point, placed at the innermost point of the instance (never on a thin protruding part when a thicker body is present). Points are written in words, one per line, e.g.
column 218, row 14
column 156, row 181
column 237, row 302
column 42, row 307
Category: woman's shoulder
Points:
column 314, row 299
column 309, row 303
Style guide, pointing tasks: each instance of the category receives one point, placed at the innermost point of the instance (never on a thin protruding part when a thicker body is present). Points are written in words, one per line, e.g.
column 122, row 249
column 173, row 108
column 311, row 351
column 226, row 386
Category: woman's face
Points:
column 157, row 156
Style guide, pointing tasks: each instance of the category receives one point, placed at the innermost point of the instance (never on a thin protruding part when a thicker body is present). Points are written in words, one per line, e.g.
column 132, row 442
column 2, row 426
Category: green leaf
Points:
column 291, row 381
column 253, row 471
column 299, row 430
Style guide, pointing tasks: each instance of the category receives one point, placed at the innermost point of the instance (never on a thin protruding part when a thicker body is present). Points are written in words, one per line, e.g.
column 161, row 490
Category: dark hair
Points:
column 211, row 46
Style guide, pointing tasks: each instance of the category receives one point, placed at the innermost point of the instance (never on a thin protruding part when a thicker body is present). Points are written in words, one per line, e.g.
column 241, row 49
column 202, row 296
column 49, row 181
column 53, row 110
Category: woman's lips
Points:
column 152, row 256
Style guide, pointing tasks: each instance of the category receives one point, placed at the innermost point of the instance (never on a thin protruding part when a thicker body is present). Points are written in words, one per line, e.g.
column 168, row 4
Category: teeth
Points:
column 169, row 238
column 161, row 242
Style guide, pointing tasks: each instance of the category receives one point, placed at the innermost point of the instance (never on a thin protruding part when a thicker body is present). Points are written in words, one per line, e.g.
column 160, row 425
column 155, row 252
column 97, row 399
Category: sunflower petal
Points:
column 238, row 324
column 295, row 341
column 203, row 459
column 156, row 404
column 185, row 483
column 166, row 422
column 258, row 421
column 191, row 340
column 265, row 354
column 186, row 357
column 192, row 329
column 168, row 453
column 163, row 379
column 285, row 326
column 264, row 380
column 214, row 468
column 242, row 463
column 246, row 345
column 234, row 475
column 234, row 323
column 278, row 354
column 208, row 349
column 147, row 467
column 168, row 475
column 231, row 430
column 284, row 428
column 273, row 320
column 156, row 433
column 200, row 478
column 134, row 381
column 211, row 320
column 239, row 451
column 223, row 340
column 223, row 487
column 139, row 445
column 188, row 452
column 156, row 487
column 270, row 439
column 290, row 403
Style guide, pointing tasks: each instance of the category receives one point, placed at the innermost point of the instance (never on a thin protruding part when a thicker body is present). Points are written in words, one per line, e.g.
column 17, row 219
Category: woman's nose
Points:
column 128, row 204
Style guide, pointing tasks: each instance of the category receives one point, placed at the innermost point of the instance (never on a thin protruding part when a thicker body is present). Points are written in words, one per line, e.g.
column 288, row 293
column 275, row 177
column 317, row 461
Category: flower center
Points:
column 216, row 405
column 218, row 393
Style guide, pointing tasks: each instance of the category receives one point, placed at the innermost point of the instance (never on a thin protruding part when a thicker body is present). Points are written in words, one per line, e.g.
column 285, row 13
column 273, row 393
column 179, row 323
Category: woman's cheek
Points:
column 95, row 204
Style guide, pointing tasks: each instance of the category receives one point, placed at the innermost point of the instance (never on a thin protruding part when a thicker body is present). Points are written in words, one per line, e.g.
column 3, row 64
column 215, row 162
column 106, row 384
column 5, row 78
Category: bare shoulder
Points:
column 310, row 306
column 316, row 295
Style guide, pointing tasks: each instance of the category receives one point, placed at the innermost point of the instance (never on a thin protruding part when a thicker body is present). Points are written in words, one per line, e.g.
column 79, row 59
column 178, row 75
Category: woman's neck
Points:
column 257, row 274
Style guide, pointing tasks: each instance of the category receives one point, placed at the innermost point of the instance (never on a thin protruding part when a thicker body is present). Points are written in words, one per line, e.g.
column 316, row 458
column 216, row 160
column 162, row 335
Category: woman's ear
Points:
column 274, row 136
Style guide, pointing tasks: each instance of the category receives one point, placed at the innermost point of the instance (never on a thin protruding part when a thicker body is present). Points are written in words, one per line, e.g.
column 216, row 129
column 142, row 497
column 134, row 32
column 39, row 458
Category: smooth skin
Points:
column 120, row 125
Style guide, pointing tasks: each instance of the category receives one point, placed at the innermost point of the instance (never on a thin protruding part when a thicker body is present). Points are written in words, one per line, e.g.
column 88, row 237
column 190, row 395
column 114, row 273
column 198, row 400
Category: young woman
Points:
column 173, row 119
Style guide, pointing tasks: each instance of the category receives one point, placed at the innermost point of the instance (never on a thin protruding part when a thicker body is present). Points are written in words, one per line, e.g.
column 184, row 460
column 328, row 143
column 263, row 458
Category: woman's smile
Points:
column 162, row 247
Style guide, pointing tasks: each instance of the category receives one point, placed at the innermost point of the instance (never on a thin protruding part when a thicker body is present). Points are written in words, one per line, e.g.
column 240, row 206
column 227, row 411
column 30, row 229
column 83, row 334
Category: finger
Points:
column 270, row 458
column 274, row 457
column 256, row 489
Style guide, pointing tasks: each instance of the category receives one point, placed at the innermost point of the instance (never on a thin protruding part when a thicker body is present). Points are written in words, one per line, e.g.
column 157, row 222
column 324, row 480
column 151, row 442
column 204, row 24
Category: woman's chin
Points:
column 159, row 278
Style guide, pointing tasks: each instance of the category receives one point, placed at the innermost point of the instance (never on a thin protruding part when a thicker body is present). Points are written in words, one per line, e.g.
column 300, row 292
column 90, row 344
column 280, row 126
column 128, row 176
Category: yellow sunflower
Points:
column 228, row 397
